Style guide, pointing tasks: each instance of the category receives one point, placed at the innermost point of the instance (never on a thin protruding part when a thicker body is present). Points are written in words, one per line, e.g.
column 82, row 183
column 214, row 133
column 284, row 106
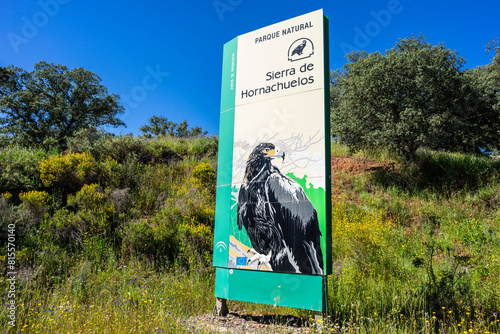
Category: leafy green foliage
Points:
column 19, row 169
column 51, row 103
column 116, row 195
column 126, row 147
column 161, row 126
column 89, row 140
column 493, row 69
column 416, row 95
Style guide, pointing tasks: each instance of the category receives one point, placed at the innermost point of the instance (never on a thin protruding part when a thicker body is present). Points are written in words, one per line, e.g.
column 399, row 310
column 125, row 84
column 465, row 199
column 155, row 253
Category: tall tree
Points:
column 492, row 71
column 53, row 102
column 161, row 126
column 416, row 95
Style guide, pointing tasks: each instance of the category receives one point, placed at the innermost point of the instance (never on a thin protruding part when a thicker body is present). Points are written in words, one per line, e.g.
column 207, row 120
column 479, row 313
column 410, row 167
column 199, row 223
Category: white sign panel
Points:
column 279, row 107
column 281, row 59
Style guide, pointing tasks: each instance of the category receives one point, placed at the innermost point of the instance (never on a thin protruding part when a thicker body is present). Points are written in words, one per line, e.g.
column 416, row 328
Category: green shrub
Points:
column 163, row 150
column 490, row 197
column 155, row 183
column 7, row 216
column 51, row 262
column 94, row 207
column 196, row 243
column 89, row 140
column 182, row 207
column 66, row 229
column 450, row 172
column 157, row 239
column 194, row 147
column 89, row 214
column 19, row 170
column 125, row 148
column 191, row 208
column 205, row 146
column 126, row 174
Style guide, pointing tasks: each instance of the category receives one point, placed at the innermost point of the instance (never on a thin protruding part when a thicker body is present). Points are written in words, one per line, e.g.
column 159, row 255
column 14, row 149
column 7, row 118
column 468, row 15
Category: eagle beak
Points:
column 277, row 153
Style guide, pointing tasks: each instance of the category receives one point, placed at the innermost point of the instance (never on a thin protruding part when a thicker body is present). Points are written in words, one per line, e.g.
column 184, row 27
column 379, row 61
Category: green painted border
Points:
column 225, row 157
column 222, row 224
column 228, row 76
column 278, row 289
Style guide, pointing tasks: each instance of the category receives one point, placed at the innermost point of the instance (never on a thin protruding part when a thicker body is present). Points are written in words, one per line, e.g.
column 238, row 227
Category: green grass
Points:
column 437, row 266
column 129, row 297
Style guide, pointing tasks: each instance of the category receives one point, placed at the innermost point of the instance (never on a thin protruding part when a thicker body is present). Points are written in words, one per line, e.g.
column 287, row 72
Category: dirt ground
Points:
column 357, row 166
column 240, row 322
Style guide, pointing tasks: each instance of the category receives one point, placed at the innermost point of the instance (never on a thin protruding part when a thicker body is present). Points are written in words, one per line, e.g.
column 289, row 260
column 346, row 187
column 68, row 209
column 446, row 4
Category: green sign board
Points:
column 272, row 241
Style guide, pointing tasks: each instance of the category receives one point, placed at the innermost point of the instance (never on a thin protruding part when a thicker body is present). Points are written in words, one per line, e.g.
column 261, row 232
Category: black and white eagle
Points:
column 280, row 221
column 298, row 50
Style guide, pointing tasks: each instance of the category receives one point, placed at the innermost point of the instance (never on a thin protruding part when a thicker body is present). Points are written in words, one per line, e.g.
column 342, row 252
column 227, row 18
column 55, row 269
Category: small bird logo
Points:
column 300, row 49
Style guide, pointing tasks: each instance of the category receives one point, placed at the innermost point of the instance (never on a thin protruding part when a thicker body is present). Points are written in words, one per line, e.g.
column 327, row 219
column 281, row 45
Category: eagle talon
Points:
column 260, row 258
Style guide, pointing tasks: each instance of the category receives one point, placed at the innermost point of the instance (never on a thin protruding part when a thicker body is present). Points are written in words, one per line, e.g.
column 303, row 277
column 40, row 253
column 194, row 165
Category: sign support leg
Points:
column 321, row 316
column 220, row 309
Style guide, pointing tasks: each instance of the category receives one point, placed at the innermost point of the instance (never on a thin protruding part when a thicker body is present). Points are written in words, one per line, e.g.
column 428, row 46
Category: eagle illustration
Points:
column 298, row 50
column 280, row 221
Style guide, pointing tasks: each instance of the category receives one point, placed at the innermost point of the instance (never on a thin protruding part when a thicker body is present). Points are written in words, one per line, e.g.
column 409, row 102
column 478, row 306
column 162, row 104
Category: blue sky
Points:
column 164, row 58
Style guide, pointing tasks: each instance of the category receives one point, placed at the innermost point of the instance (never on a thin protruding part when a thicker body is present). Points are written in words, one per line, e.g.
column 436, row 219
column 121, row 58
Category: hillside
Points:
column 115, row 235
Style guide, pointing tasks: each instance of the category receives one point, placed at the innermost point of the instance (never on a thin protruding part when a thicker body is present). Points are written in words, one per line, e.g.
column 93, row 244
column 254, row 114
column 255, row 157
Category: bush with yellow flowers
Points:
column 94, row 206
column 196, row 241
column 36, row 202
column 67, row 171
column 6, row 196
column 205, row 176
column 352, row 227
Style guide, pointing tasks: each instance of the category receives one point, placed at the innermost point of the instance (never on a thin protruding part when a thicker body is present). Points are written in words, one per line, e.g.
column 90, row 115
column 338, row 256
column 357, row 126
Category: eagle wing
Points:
column 298, row 220
column 253, row 213
column 242, row 207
